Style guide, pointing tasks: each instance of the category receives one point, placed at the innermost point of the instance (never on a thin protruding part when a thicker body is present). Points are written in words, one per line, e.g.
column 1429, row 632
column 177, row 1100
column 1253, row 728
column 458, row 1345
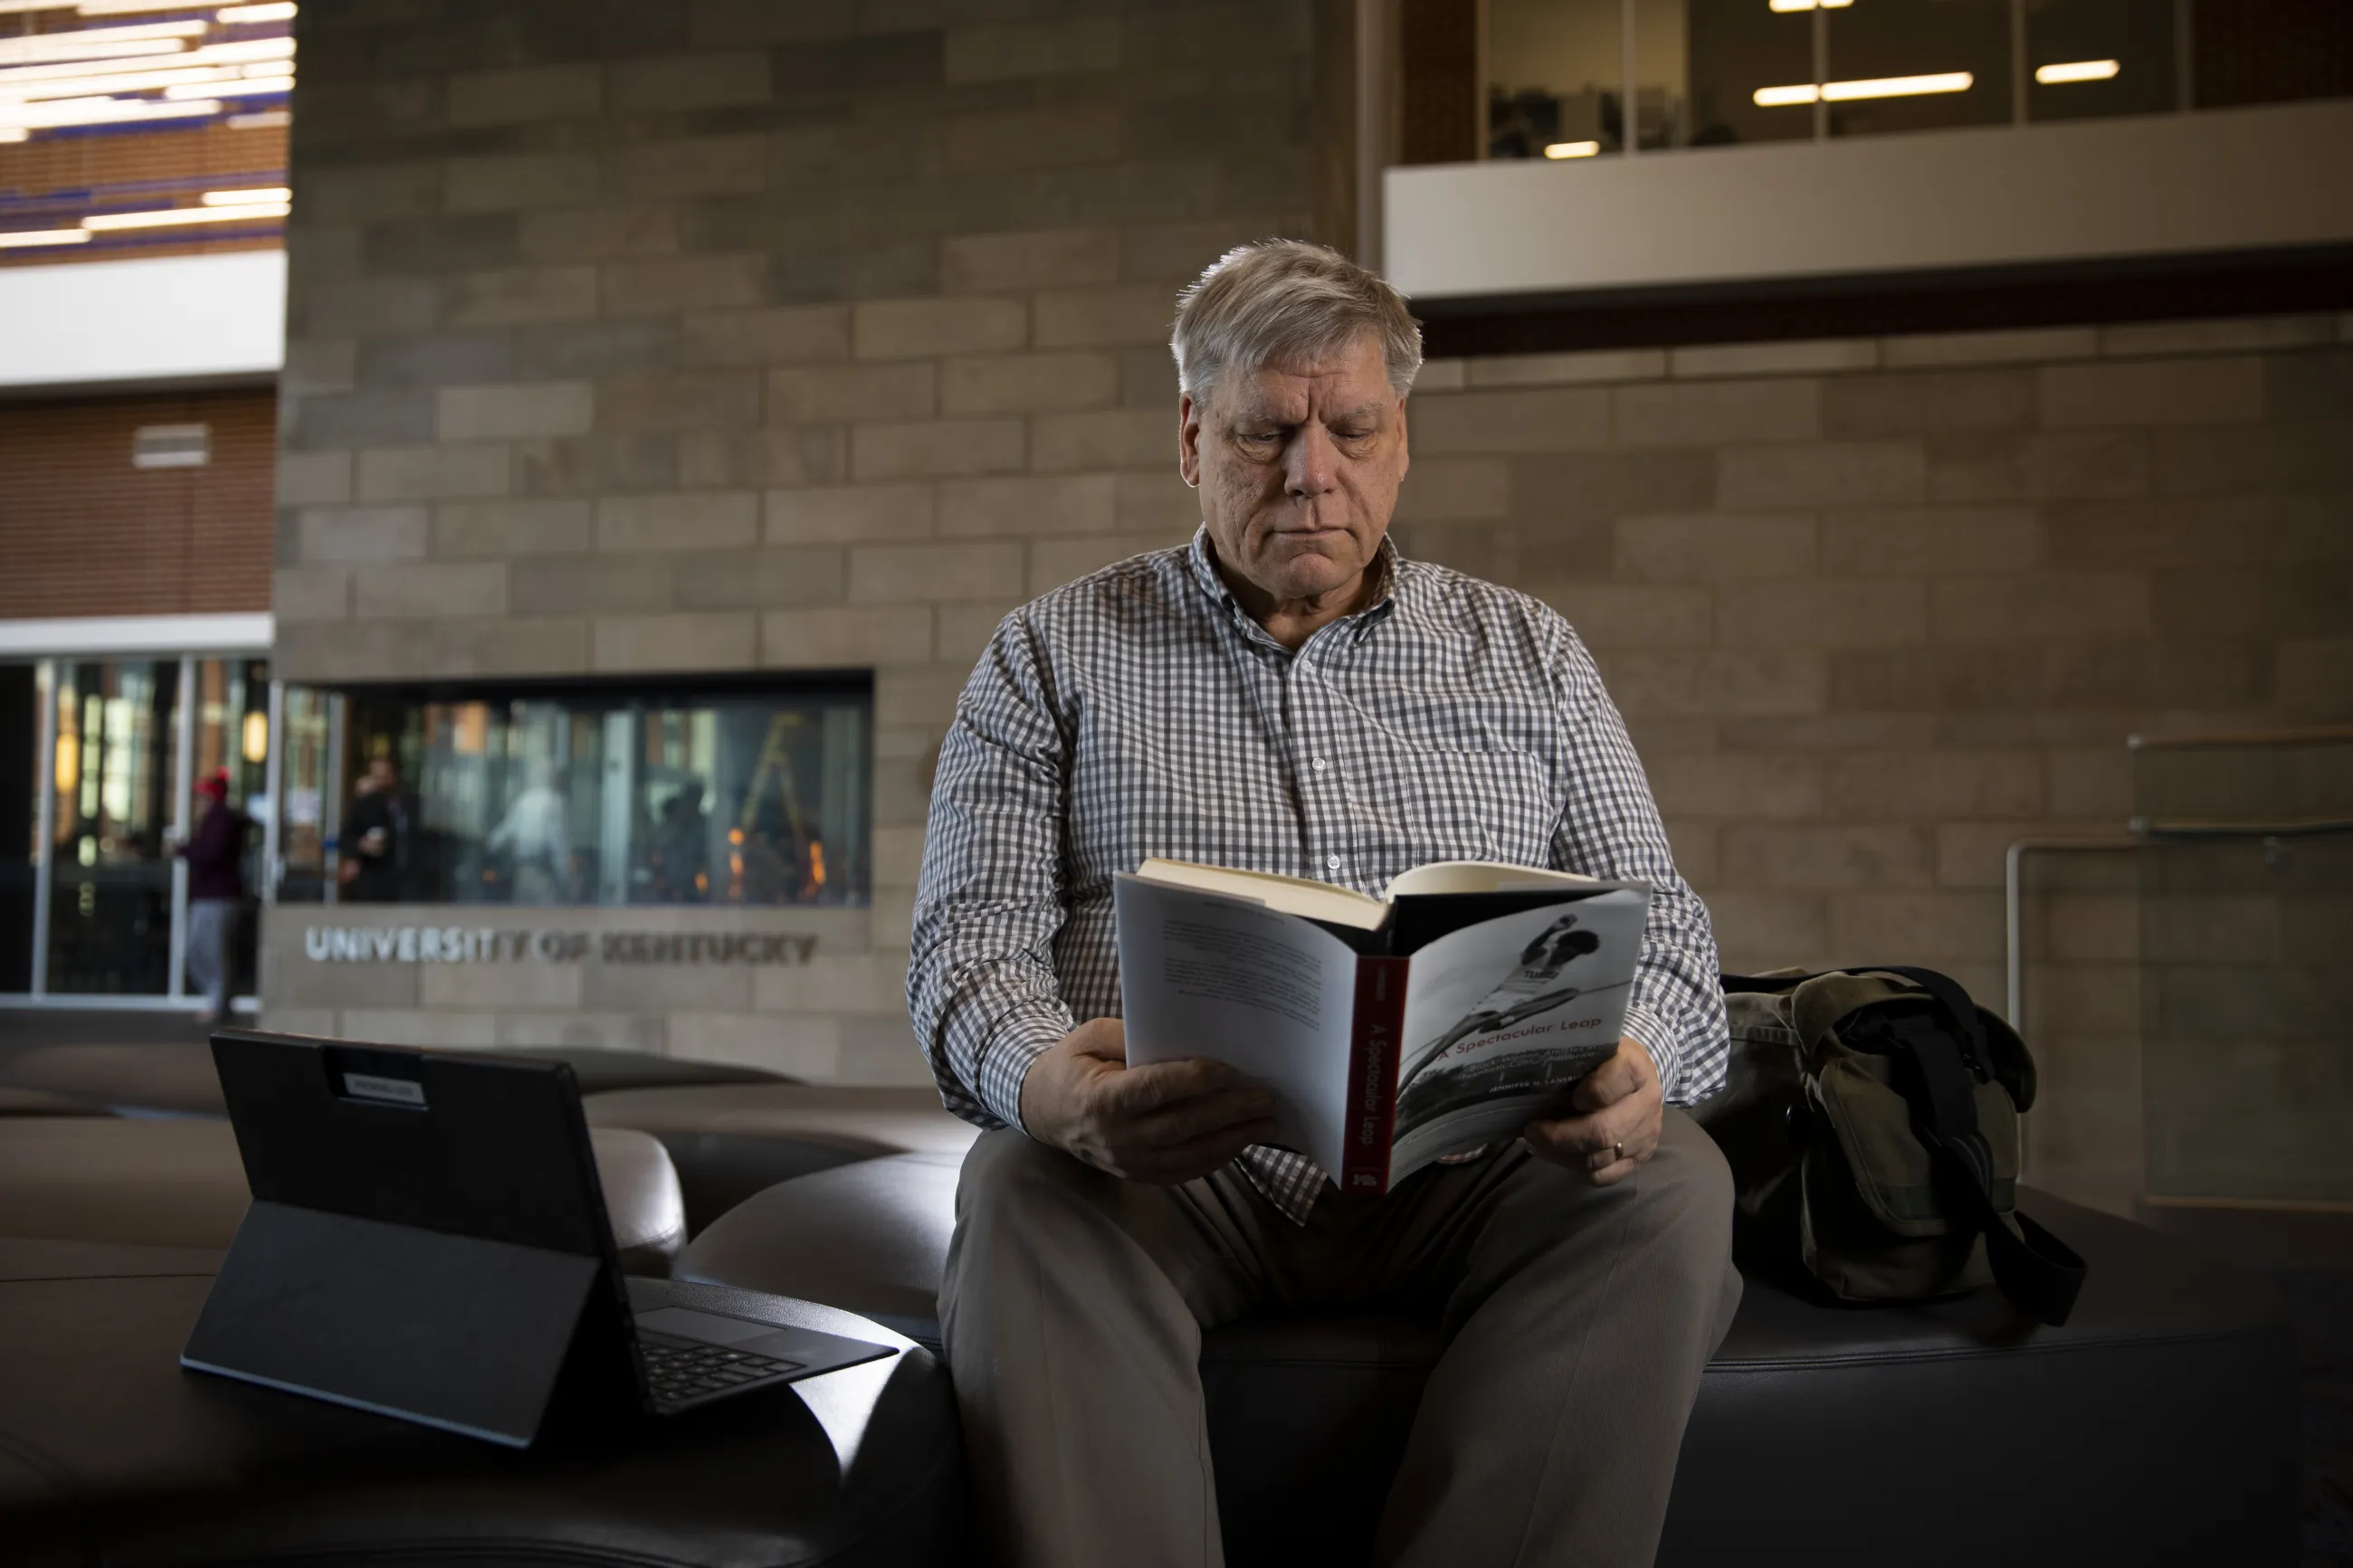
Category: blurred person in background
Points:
column 215, row 857
column 681, row 854
column 375, row 860
column 537, row 831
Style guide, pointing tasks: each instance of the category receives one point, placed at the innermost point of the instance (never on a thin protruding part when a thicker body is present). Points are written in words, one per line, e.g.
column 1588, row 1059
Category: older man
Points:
column 1291, row 694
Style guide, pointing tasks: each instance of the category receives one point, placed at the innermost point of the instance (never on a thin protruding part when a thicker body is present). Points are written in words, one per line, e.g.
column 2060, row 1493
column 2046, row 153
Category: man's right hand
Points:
column 1164, row 1123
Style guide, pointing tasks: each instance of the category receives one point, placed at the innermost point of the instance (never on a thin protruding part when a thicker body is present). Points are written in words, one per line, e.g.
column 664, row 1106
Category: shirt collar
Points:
column 1387, row 585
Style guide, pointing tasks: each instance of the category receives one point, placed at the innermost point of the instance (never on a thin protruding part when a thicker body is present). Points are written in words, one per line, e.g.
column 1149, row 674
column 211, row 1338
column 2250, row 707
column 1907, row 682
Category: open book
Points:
column 1467, row 1001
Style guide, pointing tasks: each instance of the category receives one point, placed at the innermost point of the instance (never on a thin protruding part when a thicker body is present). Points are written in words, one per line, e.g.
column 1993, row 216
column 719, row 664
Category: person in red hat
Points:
column 215, row 857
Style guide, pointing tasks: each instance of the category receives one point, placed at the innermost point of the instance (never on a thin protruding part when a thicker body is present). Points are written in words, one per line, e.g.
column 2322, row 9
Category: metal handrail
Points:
column 2146, row 828
column 2309, row 735
column 2014, row 910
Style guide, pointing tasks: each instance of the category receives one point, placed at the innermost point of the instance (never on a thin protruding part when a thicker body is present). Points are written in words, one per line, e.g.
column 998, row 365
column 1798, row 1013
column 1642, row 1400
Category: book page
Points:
column 1291, row 895
column 1503, row 1017
column 1269, row 994
column 1480, row 876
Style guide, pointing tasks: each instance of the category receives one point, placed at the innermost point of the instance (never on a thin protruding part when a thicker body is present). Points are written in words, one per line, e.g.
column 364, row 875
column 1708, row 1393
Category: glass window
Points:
column 306, row 790
column 111, row 881
column 1916, row 65
column 2091, row 58
column 231, row 735
column 1744, row 58
column 1554, row 75
column 2261, row 51
column 567, row 795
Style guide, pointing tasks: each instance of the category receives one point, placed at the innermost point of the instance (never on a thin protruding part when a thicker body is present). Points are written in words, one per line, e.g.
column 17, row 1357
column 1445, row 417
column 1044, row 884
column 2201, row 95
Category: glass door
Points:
column 116, row 774
column 230, row 736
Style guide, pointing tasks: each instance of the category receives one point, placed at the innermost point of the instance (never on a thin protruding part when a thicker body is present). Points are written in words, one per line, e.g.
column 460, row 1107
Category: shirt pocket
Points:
column 1436, row 805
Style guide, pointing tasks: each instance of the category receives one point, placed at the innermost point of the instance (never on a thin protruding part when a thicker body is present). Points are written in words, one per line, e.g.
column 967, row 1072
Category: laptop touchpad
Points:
column 709, row 1327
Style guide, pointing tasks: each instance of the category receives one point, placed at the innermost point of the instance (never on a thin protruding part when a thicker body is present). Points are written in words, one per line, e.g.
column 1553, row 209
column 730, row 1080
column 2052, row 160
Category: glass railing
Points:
column 1561, row 74
column 2245, row 874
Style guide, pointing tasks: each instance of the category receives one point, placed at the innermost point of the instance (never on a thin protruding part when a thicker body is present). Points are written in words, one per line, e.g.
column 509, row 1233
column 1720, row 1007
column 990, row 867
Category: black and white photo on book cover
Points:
column 1379, row 1061
column 1508, row 1015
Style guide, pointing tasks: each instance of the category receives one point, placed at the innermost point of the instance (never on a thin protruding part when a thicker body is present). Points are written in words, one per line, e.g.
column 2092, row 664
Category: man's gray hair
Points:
column 1285, row 301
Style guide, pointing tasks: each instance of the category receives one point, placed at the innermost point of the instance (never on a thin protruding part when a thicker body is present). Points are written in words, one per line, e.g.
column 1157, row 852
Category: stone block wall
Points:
column 729, row 335
column 1875, row 609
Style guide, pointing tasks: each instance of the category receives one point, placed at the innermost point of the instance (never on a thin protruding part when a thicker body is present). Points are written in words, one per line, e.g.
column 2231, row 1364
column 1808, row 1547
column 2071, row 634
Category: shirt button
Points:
column 1330, row 862
column 1321, row 764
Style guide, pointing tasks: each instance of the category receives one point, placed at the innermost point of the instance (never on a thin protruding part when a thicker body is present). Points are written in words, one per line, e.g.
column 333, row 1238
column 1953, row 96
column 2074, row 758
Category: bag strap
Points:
column 2034, row 1269
column 2040, row 1273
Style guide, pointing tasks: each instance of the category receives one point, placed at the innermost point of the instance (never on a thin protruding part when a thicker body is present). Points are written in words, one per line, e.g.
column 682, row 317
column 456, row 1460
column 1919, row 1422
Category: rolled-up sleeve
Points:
column 1610, row 828
column 981, row 988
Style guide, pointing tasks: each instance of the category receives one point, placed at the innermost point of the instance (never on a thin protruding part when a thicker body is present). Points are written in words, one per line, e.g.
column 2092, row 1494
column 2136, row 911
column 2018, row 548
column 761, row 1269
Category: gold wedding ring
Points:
column 1620, row 1150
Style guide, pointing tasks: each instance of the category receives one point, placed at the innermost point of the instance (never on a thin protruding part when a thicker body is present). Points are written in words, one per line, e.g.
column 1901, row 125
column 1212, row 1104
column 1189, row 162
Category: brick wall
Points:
column 724, row 336
column 82, row 532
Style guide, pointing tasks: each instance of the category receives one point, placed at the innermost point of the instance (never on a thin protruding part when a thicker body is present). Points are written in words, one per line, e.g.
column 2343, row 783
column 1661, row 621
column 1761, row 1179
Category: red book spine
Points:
column 1373, row 1050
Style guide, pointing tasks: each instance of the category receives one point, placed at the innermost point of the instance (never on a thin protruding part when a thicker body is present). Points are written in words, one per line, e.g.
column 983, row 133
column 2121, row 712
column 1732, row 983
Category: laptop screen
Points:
column 467, row 1145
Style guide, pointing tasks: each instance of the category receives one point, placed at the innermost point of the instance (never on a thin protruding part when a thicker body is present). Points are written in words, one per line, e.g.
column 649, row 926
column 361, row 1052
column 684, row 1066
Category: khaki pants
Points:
column 1577, row 1320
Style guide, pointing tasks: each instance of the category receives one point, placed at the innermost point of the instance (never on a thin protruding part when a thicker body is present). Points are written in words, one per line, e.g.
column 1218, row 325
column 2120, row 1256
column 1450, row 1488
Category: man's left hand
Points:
column 1620, row 1106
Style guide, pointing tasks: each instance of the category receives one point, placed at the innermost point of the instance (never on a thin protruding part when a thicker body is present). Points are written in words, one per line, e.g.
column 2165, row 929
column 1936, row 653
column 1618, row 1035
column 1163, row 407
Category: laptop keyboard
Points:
column 687, row 1372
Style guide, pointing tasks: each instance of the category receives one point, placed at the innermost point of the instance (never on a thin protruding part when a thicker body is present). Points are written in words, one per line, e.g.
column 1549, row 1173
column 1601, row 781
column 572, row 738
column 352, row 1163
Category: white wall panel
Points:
column 165, row 318
column 2147, row 186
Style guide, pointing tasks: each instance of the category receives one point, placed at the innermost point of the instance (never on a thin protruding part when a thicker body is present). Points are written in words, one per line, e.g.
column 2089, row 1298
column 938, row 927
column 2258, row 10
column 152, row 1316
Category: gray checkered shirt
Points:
column 1141, row 712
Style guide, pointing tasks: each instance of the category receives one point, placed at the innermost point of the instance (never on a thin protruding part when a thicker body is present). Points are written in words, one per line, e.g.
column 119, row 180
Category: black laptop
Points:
column 428, row 1240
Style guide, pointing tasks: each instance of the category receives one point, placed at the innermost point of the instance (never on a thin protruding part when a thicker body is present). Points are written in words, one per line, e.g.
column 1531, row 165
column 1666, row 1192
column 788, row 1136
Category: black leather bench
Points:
column 110, row 1453
column 2159, row 1427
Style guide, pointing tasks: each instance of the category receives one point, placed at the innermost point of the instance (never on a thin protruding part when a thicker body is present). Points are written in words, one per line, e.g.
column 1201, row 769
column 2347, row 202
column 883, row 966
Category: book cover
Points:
column 1389, row 1031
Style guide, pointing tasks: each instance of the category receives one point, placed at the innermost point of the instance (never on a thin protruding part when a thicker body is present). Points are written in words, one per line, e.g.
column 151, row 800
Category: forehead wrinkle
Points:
column 1285, row 398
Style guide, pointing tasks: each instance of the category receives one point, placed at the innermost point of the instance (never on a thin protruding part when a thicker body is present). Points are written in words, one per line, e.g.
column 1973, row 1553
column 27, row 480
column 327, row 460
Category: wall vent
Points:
column 172, row 446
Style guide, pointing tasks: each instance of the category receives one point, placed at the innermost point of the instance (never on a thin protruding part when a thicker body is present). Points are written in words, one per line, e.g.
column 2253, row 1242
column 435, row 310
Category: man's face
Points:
column 1298, row 466
column 385, row 776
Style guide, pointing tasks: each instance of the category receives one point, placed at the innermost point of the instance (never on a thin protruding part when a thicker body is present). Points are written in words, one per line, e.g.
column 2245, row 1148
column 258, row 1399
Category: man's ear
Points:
column 1188, row 439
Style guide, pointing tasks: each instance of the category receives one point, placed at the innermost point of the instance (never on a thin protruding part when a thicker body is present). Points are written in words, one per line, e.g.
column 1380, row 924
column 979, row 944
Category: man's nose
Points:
column 1309, row 468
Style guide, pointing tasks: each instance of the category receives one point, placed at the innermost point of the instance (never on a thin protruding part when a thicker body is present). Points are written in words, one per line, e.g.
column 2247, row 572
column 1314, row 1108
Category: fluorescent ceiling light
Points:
column 237, row 15
column 161, row 56
column 171, row 218
column 129, row 7
column 1879, row 87
column 1572, row 148
column 95, row 43
column 25, row 238
column 1810, row 4
column 268, row 120
column 270, row 54
column 247, row 198
column 81, row 58
column 12, row 133
column 129, row 81
column 1898, row 85
column 2076, row 70
column 62, row 113
column 247, row 87
column 246, row 49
